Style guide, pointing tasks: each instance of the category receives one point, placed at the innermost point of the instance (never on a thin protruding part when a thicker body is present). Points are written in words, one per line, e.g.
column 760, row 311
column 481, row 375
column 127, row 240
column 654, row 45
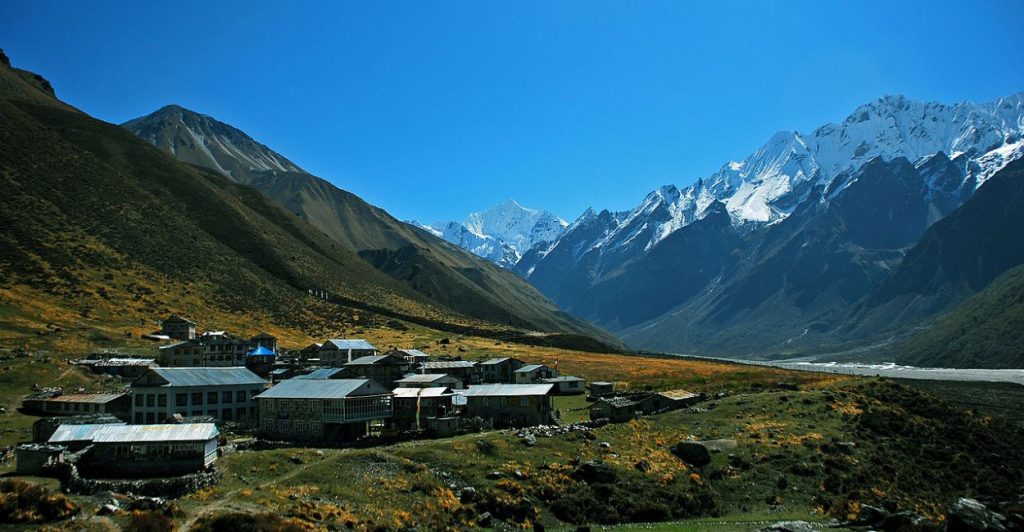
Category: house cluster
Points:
column 335, row 391
column 623, row 408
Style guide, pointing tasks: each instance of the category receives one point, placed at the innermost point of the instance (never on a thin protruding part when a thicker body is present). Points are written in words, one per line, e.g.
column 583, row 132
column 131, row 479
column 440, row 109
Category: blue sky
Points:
column 435, row 109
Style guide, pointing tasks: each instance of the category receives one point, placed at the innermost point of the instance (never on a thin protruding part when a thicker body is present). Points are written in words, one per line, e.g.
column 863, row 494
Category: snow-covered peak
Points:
column 502, row 233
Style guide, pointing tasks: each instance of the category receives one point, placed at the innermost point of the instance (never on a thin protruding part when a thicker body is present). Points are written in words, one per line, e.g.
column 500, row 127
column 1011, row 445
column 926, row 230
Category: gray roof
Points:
column 347, row 343
column 529, row 368
column 99, row 398
column 413, row 352
column 371, row 360
column 448, row 364
column 207, row 376
column 425, row 377
column 322, row 389
column 320, row 374
column 412, row 393
column 70, row 433
column 495, row 360
column 567, row 378
column 617, row 402
column 156, row 433
column 507, row 390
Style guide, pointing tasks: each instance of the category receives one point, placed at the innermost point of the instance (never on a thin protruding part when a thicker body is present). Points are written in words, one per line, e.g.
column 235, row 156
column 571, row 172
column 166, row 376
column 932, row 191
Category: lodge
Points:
column 419, row 408
column 336, row 352
column 144, row 450
column 464, row 370
column 225, row 394
column 330, row 410
column 534, row 374
column 429, row 380
column 510, row 405
column 500, row 370
column 382, row 369
column 69, row 404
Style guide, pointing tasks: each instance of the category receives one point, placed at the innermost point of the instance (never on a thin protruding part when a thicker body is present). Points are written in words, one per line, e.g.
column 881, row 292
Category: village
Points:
column 164, row 430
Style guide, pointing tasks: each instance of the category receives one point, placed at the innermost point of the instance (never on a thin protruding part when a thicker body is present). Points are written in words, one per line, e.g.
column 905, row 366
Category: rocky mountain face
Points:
column 444, row 274
column 769, row 255
column 503, row 233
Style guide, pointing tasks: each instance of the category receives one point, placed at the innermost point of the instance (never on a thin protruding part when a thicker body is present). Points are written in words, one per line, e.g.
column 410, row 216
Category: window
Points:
column 180, row 399
column 226, row 397
column 197, row 399
column 212, row 413
column 239, row 413
column 226, row 414
column 211, row 398
column 150, row 417
column 524, row 401
column 197, row 413
column 138, row 417
column 139, row 398
column 150, row 400
column 240, row 396
column 161, row 400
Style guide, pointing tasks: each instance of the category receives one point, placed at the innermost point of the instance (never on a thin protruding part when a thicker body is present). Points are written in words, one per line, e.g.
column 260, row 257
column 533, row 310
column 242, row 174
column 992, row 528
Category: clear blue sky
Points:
column 434, row 109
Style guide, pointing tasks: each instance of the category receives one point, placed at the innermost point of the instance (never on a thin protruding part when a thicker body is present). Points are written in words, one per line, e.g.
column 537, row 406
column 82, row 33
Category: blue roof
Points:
column 345, row 344
column 261, row 352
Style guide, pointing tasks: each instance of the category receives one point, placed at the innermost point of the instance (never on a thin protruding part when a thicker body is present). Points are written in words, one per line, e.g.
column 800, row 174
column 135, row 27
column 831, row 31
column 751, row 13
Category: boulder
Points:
column 468, row 495
column 871, row 515
column 969, row 515
column 901, row 521
column 594, row 471
column 643, row 466
column 789, row 526
column 692, row 453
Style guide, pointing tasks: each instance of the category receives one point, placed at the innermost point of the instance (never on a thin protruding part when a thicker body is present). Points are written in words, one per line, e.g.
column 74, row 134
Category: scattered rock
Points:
column 495, row 475
column 789, row 526
column 782, row 483
column 969, row 515
column 871, row 515
column 692, row 453
column 518, row 475
column 529, row 440
column 296, row 459
column 787, row 386
column 107, row 509
column 604, row 445
column 484, row 446
column 484, row 519
column 642, row 466
column 468, row 495
column 594, row 471
column 901, row 521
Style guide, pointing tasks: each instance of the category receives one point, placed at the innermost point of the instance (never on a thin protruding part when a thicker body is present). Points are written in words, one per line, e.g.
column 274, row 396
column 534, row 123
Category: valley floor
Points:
column 817, row 448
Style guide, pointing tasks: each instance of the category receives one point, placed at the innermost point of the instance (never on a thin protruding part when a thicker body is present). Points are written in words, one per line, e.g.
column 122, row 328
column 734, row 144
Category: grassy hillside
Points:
column 983, row 332
column 102, row 234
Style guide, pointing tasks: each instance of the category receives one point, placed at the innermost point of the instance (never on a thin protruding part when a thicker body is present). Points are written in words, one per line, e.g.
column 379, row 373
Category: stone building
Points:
column 225, row 394
column 324, row 410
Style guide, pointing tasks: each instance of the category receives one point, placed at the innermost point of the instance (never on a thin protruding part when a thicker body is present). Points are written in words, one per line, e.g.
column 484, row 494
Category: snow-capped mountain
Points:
column 502, row 233
column 205, row 141
column 767, row 185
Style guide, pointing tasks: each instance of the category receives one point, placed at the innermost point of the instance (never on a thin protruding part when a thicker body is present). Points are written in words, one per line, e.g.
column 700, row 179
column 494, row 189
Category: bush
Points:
column 150, row 521
column 242, row 522
column 22, row 502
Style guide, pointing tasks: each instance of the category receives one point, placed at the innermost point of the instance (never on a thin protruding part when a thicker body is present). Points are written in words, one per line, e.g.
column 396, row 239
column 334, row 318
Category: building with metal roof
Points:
column 466, row 371
column 70, row 404
column 322, row 409
column 510, row 405
column 322, row 373
column 338, row 351
column 428, row 380
column 500, row 369
column 414, row 407
column 166, row 449
column 74, row 436
column 534, row 373
column 225, row 394
column 567, row 385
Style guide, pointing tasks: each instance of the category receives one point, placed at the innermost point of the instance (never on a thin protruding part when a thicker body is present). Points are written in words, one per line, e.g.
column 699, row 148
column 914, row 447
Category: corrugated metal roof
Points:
column 371, row 360
column 413, row 352
column 322, row 389
column 207, row 376
column 567, row 378
column 127, row 362
column 424, row 377
column 448, row 364
column 176, row 344
column 86, row 397
column 529, row 368
column 320, row 374
column 495, row 360
column 261, row 352
column 348, row 343
column 412, row 393
column 617, row 402
column 507, row 390
column 70, row 433
column 156, row 433
column 678, row 394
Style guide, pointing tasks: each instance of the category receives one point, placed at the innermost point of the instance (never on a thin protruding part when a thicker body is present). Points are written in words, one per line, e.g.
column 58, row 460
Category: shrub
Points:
column 22, row 502
column 150, row 521
column 243, row 522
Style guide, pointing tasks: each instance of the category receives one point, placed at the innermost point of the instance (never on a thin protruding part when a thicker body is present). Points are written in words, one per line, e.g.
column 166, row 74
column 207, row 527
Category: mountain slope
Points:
column 982, row 332
column 444, row 274
column 503, row 233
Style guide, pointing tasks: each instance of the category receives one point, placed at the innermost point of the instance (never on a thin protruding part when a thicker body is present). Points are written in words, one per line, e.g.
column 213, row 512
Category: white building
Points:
column 226, row 394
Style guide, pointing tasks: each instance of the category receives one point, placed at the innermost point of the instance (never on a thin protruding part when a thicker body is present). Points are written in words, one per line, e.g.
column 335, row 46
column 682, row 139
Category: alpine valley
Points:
column 840, row 243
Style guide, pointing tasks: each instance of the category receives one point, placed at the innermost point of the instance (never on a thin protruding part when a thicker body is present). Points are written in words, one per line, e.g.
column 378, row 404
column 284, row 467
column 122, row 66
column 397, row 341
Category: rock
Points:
column 529, row 440
column 604, row 445
column 871, row 515
column 969, row 515
column 787, row 386
column 846, row 447
column 692, row 453
column 642, row 466
column 900, row 521
column 468, row 495
column 107, row 509
column 484, row 519
column 318, row 452
column 782, row 482
column 495, row 475
column 518, row 475
column 789, row 526
column 484, row 446
column 594, row 471
column 296, row 459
